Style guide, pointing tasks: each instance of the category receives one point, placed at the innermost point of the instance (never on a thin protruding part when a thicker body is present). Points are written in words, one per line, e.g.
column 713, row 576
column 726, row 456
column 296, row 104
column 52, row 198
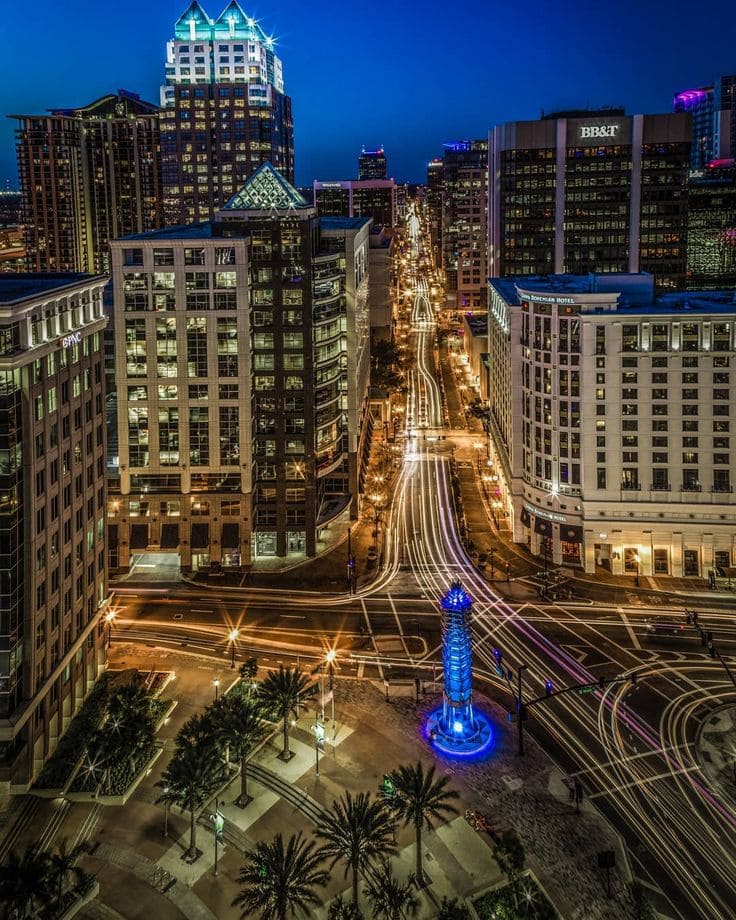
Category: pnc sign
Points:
column 74, row 338
column 589, row 132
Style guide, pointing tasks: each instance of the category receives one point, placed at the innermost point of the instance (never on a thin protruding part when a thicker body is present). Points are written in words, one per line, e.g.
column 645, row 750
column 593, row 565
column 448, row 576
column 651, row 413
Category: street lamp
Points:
column 109, row 620
column 233, row 637
column 330, row 658
column 166, row 811
column 377, row 501
column 216, row 683
column 478, row 448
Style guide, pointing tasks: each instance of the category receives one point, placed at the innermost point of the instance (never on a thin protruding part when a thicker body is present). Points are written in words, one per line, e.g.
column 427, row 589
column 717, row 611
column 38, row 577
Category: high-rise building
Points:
column 372, row 164
column 224, row 111
column 712, row 109
column 610, row 419
column 242, row 362
column 711, row 227
column 592, row 191
column 53, row 583
column 88, row 175
column 374, row 198
column 435, row 186
column 464, row 223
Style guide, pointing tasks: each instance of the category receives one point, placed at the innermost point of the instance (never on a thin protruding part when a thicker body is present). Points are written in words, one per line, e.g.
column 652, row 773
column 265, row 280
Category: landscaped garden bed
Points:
column 530, row 903
column 60, row 766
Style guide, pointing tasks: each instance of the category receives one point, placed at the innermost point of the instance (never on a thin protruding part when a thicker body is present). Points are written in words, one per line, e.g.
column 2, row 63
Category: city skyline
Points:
column 335, row 118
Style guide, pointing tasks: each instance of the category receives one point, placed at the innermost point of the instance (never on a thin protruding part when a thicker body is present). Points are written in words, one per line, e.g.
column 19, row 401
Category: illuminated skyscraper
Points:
column 224, row 111
column 714, row 127
column 372, row 164
column 589, row 191
column 88, row 175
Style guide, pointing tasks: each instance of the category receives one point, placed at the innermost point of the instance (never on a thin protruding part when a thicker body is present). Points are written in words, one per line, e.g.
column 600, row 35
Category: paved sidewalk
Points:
column 716, row 751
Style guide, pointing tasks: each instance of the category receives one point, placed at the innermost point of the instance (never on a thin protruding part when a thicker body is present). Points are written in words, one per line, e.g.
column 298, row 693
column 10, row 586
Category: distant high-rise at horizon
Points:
column 224, row 111
column 714, row 127
column 372, row 164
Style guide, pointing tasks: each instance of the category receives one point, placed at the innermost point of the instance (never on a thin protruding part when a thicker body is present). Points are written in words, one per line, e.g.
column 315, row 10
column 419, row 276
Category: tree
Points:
column 26, row 884
column 239, row 727
column 198, row 729
column 358, row 830
column 194, row 773
column 508, row 851
column 452, row 909
column 390, row 898
column 280, row 879
column 281, row 692
column 344, row 910
column 248, row 670
column 64, row 866
column 420, row 800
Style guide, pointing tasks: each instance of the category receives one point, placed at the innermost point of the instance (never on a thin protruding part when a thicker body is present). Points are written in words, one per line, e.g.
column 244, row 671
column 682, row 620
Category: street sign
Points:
column 389, row 789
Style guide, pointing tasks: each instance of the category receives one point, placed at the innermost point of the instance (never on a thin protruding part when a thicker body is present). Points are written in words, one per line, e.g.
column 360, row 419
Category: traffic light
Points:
column 633, row 677
column 695, row 617
column 711, row 649
column 688, row 617
column 497, row 654
column 703, row 637
column 548, row 687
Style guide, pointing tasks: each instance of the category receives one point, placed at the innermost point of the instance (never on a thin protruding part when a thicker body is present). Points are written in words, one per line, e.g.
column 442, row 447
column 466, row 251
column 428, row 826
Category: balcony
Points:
column 660, row 487
column 630, row 487
column 691, row 487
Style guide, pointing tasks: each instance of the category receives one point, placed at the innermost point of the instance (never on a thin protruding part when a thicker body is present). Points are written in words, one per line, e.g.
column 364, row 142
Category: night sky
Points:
column 404, row 74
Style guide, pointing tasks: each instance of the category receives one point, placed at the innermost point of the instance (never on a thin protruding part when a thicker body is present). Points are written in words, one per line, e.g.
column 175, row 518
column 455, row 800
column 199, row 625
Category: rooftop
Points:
column 23, row 286
column 477, row 323
column 201, row 231
column 267, row 190
column 343, row 223
column 635, row 292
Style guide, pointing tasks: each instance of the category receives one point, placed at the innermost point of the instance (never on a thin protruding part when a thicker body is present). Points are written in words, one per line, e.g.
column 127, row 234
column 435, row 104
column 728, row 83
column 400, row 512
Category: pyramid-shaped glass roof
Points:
column 193, row 23
column 233, row 23
column 266, row 190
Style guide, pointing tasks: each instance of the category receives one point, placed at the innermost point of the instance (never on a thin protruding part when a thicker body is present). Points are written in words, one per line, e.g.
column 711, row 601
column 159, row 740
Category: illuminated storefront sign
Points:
column 548, row 298
column 549, row 515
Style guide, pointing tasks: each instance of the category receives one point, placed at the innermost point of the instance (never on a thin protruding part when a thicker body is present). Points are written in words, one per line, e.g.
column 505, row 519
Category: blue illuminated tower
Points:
column 456, row 728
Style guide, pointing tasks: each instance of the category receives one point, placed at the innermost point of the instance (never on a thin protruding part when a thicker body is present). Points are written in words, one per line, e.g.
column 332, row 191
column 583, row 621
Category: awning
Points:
column 231, row 536
column 200, row 536
column 571, row 533
column 139, row 536
column 169, row 536
column 526, row 519
column 543, row 527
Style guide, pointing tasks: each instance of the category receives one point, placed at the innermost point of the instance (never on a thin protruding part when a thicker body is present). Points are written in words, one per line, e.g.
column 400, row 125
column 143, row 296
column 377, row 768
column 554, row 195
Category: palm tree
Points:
column 64, row 865
column 26, row 884
column 420, row 800
column 390, row 898
column 198, row 729
column 194, row 773
column 281, row 692
column 508, row 851
column 238, row 728
column 278, row 879
column 343, row 910
column 358, row 831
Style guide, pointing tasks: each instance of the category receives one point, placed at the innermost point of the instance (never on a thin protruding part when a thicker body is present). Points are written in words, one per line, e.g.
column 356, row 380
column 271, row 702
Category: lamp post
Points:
column 166, row 812
column 478, row 448
column 216, row 683
column 377, row 501
column 109, row 620
column 330, row 659
column 233, row 637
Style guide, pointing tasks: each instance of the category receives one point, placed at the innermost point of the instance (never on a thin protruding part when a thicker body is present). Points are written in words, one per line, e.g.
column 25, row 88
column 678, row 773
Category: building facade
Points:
column 593, row 191
column 611, row 412
column 224, row 111
column 372, row 164
column 88, row 176
column 711, row 227
column 374, row 198
column 711, row 109
column 241, row 436
column 433, row 198
column 52, row 511
column 464, row 223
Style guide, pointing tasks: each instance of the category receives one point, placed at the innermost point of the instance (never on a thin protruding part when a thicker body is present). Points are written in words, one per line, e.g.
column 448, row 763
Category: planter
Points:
column 121, row 798
column 496, row 902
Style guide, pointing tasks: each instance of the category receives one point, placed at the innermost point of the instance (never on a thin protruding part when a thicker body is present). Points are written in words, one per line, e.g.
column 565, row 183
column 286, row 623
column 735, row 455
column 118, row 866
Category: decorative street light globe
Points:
column 458, row 729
